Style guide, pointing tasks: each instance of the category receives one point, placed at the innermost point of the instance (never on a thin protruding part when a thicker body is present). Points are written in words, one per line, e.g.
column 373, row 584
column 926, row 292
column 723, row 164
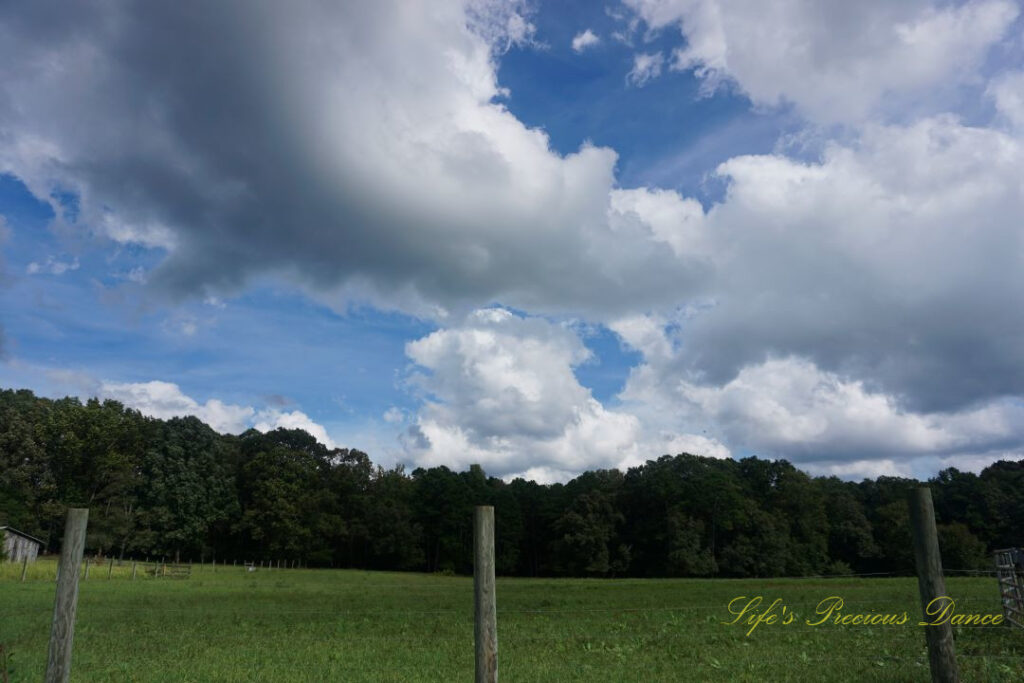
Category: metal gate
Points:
column 1010, row 572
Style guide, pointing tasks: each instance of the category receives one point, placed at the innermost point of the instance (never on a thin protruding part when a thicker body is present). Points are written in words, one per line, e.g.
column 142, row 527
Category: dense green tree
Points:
column 850, row 535
column 177, row 488
column 587, row 534
column 444, row 509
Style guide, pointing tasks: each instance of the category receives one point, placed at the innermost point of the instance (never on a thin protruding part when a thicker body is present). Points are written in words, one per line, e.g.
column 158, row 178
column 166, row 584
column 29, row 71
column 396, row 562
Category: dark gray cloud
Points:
column 355, row 152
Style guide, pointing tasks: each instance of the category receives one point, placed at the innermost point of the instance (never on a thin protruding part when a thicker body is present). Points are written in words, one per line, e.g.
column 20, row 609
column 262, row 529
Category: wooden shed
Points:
column 18, row 545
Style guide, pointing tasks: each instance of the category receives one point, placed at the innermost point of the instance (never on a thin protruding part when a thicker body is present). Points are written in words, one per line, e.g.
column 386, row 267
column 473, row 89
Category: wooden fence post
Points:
column 86, row 569
column 486, row 615
column 110, row 568
column 65, row 603
column 24, row 567
column 135, row 566
column 941, row 655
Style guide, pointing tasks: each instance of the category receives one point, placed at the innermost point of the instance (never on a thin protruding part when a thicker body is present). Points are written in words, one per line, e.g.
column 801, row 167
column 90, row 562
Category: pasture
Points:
column 319, row 625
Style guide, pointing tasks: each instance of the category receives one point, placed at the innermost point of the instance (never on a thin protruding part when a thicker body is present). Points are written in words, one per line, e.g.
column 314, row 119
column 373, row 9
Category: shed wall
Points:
column 18, row 547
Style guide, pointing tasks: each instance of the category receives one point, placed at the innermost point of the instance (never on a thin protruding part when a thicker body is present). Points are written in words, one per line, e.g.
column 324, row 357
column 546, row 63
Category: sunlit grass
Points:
column 310, row 625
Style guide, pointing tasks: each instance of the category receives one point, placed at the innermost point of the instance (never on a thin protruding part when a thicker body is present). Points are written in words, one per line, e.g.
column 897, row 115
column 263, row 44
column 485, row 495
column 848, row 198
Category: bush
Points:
column 837, row 568
column 961, row 549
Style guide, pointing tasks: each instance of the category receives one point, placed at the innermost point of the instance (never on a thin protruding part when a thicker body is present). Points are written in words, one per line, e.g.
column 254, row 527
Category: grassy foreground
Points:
column 309, row 625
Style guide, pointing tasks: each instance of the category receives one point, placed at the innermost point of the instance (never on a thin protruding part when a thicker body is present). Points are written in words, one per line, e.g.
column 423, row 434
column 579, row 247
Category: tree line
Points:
column 176, row 488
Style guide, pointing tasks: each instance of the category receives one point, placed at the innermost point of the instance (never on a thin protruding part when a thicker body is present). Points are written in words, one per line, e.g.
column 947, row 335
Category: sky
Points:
column 543, row 237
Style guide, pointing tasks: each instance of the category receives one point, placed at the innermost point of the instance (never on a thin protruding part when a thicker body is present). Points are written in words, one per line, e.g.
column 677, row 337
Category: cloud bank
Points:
column 857, row 304
column 165, row 400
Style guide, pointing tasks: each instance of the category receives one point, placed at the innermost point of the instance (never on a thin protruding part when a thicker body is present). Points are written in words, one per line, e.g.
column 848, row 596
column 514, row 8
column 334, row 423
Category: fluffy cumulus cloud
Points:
column 896, row 259
column 584, row 39
column 790, row 408
column 501, row 392
column 271, row 419
column 166, row 400
column 862, row 304
column 836, row 60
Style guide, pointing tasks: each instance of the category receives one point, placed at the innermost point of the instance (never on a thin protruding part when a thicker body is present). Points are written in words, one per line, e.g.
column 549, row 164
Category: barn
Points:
column 19, row 545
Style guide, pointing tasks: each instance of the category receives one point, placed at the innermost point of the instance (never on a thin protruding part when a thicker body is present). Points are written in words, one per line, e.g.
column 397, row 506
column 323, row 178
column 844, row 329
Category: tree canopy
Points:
column 177, row 488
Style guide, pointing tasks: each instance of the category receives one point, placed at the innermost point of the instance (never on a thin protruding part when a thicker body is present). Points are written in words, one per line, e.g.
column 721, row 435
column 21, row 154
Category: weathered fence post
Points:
column 110, row 568
column 24, row 567
column 86, row 569
column 486, row 617
column 65, row 603
column 941, row 655
column 135, row 566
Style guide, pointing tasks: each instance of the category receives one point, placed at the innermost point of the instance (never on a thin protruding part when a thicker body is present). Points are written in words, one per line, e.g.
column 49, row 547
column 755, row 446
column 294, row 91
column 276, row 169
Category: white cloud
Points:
column 920, row 467
column 271, row 419
column 645, row 333
column 501, row 392
column 661, row 216
column 52, row 266
column 855, row 308
column 789, row 408
column 860, row 469
column 581, row 41
column 894, row 259
column 502, row 24
column 837, row 60
column 1008, row 92
column 165, row 400
column 646, row 67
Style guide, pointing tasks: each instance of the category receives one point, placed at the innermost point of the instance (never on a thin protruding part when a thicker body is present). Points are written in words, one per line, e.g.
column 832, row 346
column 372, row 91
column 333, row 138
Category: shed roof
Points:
column 21, row 533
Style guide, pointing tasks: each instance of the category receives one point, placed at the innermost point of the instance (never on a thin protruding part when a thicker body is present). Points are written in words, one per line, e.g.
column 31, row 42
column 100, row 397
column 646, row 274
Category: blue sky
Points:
column 540, row 236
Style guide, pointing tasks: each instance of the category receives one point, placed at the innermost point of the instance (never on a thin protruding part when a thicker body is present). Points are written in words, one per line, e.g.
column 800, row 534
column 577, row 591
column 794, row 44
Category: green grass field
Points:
column 309, row 625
